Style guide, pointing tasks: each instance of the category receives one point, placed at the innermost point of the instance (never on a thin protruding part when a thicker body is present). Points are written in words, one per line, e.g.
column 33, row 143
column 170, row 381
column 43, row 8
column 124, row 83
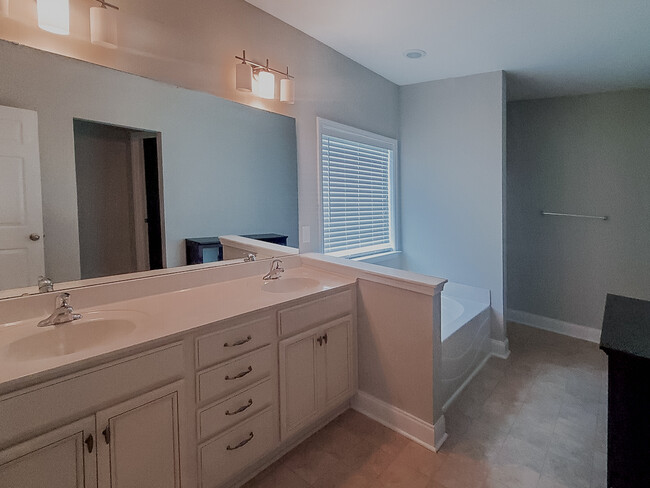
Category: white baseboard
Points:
column 425, row 434
column 553, row 325
column 500, row 349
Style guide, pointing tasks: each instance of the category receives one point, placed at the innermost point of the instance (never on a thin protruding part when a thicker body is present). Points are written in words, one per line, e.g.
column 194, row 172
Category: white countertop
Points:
column 159, row 317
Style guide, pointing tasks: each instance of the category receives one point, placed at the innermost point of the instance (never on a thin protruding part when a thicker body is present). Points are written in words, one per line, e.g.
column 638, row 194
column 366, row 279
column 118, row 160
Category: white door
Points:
column 337, row 350
column 63, row 458
column 21, row 213
column 298, row 382
column 139, row 444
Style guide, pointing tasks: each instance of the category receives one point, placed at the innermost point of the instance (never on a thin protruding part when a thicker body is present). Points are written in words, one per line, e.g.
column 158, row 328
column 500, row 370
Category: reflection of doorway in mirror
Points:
column 119, row 199
column 21, row 211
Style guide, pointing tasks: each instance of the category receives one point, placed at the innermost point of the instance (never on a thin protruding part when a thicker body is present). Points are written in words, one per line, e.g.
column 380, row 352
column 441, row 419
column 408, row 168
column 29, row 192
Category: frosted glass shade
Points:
column 287, row 90
column 244, row 81
column 266, row 85
column 54, row 16
column 4, row 8
column 103, row 27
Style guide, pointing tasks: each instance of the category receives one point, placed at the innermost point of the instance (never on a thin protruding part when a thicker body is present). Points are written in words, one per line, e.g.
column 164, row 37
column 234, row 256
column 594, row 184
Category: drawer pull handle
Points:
column 241, row 409
column 242, row 443
column 240, row 375
column 239, row 343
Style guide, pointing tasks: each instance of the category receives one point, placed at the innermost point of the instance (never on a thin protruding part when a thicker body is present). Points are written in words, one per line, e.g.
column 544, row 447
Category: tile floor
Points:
column 535, row 420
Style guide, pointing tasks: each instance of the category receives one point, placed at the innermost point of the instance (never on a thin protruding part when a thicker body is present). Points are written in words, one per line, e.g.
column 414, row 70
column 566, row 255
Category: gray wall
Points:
column 227, row 168
column 451, row 182
column 587, row 155
column 104, row 199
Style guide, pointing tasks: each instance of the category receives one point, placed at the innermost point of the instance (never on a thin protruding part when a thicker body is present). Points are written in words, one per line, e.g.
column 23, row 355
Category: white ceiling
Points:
column 548, row 47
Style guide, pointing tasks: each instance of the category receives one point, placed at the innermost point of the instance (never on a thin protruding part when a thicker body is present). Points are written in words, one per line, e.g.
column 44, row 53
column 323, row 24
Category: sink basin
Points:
column 288, row 285
column 92, row 330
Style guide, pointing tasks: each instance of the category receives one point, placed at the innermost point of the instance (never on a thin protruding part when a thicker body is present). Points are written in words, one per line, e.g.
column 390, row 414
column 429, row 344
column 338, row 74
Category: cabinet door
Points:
column 337, row 377
column 139, row 445
column 58, row 459
column 298, row 403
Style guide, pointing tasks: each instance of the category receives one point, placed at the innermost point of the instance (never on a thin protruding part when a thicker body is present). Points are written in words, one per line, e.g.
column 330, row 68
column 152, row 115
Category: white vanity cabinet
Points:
column 117, row 443
column 139, row 446
column 236, row 396
column 207, row 409
column 62, row 458
column 138, row 441
column 318, row 365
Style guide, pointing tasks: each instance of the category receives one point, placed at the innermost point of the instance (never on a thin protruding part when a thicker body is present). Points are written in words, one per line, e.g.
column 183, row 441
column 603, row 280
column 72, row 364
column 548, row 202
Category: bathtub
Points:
column 465, row 336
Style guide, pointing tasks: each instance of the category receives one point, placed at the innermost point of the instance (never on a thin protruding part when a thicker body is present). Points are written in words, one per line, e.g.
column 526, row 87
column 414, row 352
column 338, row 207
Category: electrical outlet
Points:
column 306, row 234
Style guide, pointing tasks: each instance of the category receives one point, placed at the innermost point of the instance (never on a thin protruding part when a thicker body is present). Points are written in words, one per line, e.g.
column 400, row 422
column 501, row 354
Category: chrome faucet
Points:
column 45, row 284
column 62, row 314
column 275, row 272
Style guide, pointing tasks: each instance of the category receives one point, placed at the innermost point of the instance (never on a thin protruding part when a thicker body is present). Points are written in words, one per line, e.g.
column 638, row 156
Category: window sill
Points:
column 378, row 258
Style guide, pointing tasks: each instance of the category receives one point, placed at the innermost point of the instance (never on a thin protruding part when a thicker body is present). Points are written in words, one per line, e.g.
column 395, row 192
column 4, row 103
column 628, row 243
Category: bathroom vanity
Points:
column 212, row 384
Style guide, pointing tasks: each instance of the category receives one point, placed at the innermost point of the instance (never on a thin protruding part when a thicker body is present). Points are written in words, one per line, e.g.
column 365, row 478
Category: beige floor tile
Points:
column 310, row 463
column 421, row 459
column 512, row 476
column 518, row 452
column 400, row 475
column 277, row 476
column 461, row 472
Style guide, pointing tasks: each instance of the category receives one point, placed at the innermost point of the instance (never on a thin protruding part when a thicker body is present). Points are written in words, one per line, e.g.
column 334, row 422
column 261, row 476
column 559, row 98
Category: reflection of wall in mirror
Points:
column 227, row 168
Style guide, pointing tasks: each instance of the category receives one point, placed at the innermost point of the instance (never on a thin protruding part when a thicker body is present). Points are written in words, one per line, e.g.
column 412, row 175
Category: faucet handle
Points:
column 63, row 300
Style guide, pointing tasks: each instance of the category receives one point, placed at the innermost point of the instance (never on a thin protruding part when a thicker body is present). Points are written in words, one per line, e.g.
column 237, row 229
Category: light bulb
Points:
column 103, row 27
column 266, row 84
column 54, row 16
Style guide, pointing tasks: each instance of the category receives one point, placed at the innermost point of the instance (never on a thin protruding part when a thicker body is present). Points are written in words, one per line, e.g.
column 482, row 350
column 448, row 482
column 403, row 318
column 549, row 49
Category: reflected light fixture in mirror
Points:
column 54, row 16
column 4, row 8
column 244, row 76
column 287, row 89
column 260, row 79
column 266, row 85
column 103, row 25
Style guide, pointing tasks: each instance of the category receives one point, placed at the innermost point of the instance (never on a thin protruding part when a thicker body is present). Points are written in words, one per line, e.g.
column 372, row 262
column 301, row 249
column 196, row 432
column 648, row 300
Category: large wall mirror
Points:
column 129, row 168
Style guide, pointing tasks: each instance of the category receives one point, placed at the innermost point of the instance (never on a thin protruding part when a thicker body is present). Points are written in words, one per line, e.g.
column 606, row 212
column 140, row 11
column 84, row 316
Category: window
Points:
column 357, row 170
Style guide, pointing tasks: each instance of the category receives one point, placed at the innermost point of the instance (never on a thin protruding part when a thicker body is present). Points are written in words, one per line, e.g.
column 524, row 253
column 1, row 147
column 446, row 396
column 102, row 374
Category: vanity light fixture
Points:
column 260, row 79
column 4, row 8
column 103, row 25
column 54, row 16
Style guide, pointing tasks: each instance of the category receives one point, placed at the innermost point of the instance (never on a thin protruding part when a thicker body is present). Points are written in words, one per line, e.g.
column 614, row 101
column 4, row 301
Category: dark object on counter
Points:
column 626, row 340
column 194, row 247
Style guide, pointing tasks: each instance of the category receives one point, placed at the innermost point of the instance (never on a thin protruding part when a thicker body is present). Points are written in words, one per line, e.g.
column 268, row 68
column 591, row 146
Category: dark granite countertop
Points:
column 626, row 326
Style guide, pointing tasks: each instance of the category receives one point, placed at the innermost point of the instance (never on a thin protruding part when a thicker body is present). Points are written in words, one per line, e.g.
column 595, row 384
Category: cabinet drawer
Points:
column 229, row 377
column 230, row 453
column 225, row 414
column 303, row 316
column 222, row 345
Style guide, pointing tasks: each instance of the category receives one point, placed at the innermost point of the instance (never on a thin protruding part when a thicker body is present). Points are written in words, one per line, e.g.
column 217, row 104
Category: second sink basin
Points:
column 289, row 284
column 92, row 330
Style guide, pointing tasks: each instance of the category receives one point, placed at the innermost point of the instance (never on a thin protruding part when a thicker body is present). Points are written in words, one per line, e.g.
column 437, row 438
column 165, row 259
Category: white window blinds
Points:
column 357, row 197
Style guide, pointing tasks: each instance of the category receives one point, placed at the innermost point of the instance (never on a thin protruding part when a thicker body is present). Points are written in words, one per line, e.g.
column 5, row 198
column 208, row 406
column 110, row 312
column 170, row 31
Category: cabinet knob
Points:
column 34, row 237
